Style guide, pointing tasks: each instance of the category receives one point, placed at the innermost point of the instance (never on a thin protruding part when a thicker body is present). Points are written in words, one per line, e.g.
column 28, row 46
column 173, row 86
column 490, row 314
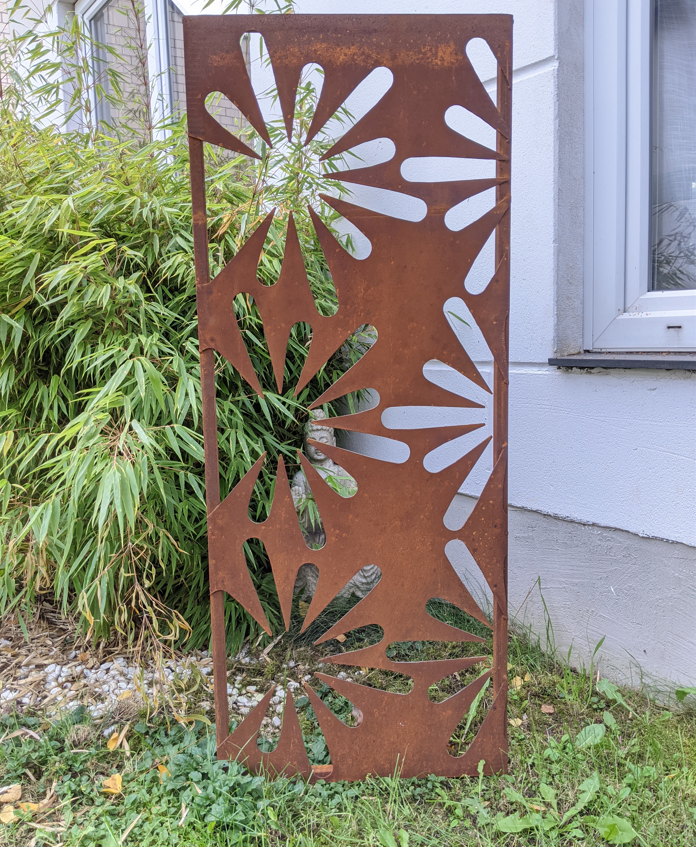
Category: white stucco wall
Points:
column 609, row 451
column 615, row 448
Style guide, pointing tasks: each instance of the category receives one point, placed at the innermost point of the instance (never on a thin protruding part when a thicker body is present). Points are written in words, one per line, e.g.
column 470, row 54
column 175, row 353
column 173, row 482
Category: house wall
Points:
column 602, row 475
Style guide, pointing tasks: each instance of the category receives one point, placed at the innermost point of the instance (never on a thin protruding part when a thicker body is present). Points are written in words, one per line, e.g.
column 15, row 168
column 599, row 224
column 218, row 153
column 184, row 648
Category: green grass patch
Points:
column 607, row 767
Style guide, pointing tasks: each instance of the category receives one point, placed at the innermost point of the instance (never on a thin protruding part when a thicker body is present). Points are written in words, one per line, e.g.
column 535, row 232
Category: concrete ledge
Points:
column 574, row 584
column 592, row 360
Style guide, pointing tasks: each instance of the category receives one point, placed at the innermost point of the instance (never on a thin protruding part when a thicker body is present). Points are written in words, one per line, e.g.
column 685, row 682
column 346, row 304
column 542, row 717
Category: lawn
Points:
column 589, row 764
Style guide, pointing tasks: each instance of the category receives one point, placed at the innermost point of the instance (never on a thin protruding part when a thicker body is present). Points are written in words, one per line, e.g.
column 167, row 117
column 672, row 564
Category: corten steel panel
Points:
column 396, row 518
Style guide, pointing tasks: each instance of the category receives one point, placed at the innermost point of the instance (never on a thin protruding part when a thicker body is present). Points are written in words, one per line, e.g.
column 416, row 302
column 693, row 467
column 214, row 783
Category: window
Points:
column 120, row 25
column 640, row 115
column 143, row 41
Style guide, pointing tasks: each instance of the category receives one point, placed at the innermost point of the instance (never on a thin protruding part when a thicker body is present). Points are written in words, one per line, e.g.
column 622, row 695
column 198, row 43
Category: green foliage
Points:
column 683, row 693
column 101, row 449
column 637, row 786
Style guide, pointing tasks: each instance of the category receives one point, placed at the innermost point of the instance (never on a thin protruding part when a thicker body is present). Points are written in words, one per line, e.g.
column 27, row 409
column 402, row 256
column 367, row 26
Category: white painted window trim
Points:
column 157, row 34
column 157, row 55
column 621, row 314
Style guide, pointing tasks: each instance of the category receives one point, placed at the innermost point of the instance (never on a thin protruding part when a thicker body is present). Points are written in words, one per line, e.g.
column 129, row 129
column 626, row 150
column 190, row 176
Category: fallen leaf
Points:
column 515, row 721
column 112, row 743
column 548, row 709
column 7, row 814
column 304, row 607
column 163, row 771
column 29, row 807
column 537, row 808
column 113, row 784
column 517, row 683
column 125, row 695
column 341, row 638
column 10, row 793
column 45, row 726
column 527, row 677
column 83, row 656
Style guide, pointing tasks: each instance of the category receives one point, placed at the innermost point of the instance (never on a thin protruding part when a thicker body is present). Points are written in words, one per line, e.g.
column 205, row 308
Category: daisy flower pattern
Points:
column 407, row 289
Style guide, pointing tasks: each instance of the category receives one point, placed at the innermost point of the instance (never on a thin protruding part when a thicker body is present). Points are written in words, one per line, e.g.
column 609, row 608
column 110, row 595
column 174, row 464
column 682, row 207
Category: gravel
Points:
column 46, row 676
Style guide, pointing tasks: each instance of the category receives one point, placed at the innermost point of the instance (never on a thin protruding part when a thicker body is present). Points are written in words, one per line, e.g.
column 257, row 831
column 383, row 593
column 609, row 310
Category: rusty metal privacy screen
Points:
column 395, row 520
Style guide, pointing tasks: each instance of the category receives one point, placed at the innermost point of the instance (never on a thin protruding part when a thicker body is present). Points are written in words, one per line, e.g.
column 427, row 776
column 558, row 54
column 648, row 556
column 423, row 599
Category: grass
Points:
column 607, row 767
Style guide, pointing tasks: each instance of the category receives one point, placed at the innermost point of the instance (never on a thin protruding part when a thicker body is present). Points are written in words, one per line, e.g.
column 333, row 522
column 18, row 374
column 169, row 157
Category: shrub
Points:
column 101, row 479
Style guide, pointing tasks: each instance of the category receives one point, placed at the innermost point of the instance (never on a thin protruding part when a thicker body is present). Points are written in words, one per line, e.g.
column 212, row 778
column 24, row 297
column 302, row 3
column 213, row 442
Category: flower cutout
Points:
column 402, row 289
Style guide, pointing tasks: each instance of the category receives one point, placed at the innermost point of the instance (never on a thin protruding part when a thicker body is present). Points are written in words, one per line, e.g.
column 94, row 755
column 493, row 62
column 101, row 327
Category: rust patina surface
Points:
column 395, row 520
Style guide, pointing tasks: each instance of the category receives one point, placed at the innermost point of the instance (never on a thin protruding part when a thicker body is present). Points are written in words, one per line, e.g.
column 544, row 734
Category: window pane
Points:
column 175, row 33
column 120, row 68
column 674, row 145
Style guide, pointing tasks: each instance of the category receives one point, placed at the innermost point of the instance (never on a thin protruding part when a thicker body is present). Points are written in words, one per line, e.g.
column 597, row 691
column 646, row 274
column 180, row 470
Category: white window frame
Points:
column 621, row 314
column 157, row 53
column 157, row 35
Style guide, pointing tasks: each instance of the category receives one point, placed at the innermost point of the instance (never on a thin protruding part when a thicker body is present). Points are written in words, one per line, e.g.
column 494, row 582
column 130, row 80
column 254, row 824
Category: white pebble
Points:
column 276, row 721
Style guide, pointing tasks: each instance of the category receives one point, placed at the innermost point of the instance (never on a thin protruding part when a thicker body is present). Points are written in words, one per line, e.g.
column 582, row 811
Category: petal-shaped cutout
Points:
column 440, row 169
column 386, row 202
column 470, row 573
column 485, row 64
column 470, row 210
column 462, row 121
column 221, row 108
column 483, row 269
column 471, row 723
column 334, row 117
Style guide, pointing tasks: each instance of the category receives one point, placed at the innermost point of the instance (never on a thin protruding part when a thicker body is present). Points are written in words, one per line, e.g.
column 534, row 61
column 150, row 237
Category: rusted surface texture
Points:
column 395, row 520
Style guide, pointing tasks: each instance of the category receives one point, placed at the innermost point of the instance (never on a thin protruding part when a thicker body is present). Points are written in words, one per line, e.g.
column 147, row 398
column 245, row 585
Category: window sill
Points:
column 597, row 360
